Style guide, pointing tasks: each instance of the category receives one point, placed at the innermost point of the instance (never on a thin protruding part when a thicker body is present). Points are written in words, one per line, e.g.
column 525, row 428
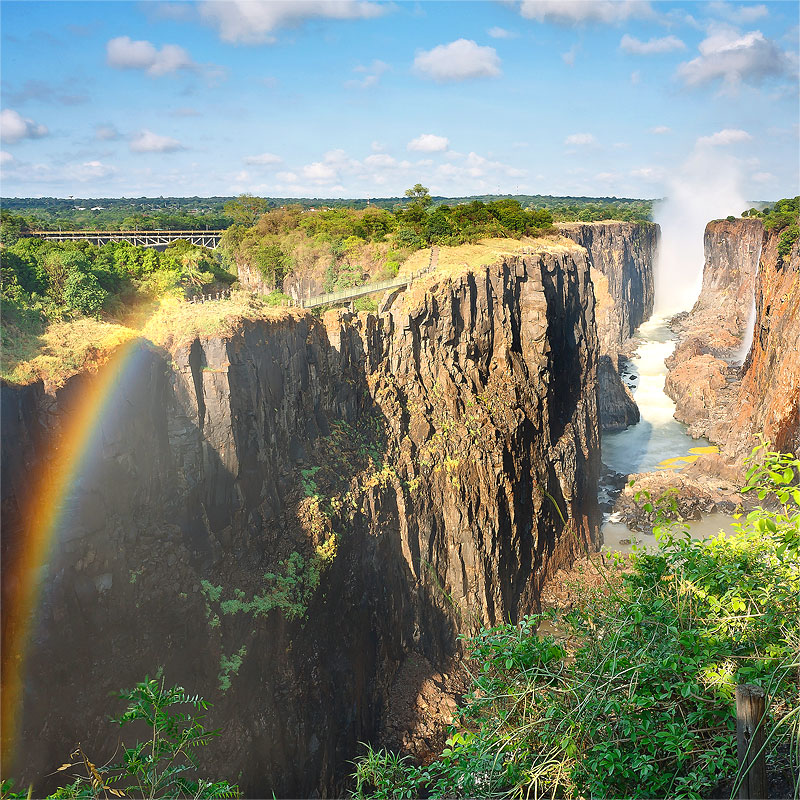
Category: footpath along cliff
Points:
column 736, row 369
column 282, row 514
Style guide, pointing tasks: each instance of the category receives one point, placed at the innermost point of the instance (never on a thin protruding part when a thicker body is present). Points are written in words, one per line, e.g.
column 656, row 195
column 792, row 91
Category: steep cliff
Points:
column 622, row 255
column 747, row 312
column 319, row 498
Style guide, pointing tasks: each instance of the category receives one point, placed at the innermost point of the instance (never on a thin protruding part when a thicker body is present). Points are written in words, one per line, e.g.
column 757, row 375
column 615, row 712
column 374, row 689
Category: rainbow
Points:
column 43, row 517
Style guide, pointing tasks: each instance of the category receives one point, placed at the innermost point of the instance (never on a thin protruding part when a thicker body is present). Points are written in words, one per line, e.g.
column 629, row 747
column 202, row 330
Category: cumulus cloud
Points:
column 372, row 75
column 429, row 143
column 5, row 157
column 666, row 44
column 723, row 137
column 735, row 58
column 501, row 33
column 106, row 133
column 458, row 61
column 573, row 12
column 14, row 127
column 318, row 172
column 255, row 21
column 582, row 139
column 123, row 52
column 148, row 142
column 660, row 129
column 264, row 160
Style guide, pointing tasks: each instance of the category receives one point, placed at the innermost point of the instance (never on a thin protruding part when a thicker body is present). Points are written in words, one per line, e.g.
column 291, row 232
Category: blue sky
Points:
column 363, row 99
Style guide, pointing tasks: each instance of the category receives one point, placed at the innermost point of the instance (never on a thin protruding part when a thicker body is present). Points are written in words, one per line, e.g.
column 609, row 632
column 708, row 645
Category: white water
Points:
column 744, row 348
column 658, row 435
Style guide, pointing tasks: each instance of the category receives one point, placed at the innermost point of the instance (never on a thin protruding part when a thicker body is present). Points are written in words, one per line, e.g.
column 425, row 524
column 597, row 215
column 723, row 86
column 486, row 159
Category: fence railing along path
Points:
column 342, row 296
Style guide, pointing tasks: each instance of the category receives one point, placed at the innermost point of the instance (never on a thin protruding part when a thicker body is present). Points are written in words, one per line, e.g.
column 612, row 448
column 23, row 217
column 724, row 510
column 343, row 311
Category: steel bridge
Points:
column 141, row 238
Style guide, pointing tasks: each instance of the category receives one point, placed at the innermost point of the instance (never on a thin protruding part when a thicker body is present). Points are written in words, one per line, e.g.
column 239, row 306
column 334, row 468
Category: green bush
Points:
column 641, row 702
column 162, row 766
column 83, row 293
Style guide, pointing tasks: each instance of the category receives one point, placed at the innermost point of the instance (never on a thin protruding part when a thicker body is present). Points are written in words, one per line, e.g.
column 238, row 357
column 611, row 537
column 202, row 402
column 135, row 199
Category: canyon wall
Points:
column 736, row 369
column 279, row 516
column 622, row 257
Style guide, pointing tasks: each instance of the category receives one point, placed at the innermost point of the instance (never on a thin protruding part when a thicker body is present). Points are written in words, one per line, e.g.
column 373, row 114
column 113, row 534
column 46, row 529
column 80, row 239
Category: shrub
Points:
column 162, row 766
column 83, row 293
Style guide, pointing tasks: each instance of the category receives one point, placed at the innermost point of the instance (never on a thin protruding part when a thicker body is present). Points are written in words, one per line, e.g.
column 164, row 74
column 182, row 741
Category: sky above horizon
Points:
column 346, row 98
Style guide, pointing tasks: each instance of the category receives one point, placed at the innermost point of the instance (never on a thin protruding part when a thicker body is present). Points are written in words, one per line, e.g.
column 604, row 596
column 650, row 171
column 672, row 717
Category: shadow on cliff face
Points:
column 194, row 473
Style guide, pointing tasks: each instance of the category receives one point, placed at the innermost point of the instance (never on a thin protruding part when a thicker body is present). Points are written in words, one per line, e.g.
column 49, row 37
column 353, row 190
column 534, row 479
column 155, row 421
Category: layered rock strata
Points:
column 280, row 515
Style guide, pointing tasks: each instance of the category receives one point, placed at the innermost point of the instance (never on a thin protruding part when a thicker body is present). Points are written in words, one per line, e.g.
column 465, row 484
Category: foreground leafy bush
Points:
column 641, row 701
column 162, row 766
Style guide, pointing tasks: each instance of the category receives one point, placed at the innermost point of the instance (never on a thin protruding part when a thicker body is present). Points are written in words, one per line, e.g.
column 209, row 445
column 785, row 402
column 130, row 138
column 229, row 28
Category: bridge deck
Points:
column 141, row 238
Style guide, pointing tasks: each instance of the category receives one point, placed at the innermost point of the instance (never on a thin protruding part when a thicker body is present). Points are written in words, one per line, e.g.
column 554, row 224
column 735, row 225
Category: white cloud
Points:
column 287, row 177
column 660, row 129
column 148, row 142
column 458, row 61
column 264, row 160
column 666, row 44
column 475, row 166
column 636, row 77
column 106, row 133
column 569, row 57
column 649, row 174
column 254, row 21
column 14, row 127
column 429, row 143
column 124, row 53
column 372, row 75
column 572, row 12
column 738, row 13
column 91, row 170
column 583, row 139
column 501, row 33
column 318, row 172
column 723, row 137
column 5, row 157
column 735, row 58
column 763, row 177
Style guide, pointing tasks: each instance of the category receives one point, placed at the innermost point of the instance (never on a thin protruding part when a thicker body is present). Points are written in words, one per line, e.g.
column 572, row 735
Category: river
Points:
column 658, row 440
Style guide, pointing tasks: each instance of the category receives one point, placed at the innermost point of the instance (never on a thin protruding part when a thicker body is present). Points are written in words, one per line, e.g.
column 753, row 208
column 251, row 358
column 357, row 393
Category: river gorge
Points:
column 282, row 514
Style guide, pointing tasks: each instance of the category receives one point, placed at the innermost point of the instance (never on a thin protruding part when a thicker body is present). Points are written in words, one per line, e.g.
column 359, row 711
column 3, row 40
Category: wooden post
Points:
column 750, row 741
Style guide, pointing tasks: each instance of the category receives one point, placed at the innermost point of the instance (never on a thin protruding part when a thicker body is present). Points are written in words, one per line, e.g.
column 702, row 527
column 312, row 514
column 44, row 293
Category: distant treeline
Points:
column 192, row 213
column 783, row 217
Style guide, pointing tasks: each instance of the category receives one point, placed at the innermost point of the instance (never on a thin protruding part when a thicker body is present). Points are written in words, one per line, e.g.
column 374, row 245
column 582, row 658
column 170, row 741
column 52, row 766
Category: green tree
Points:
column 83, row 293
column 420, row 195
column 245, row 209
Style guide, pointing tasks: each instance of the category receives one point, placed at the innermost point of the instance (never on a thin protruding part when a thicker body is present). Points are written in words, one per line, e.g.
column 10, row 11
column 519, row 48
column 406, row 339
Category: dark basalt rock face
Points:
column 622, row 255
column 441, row 442
column 615, row 401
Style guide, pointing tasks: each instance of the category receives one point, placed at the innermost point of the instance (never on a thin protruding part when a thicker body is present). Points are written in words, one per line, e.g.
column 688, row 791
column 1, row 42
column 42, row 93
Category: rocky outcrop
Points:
column 747, row 312
column 615, row 402
column 622, row 255
column 318, row 498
